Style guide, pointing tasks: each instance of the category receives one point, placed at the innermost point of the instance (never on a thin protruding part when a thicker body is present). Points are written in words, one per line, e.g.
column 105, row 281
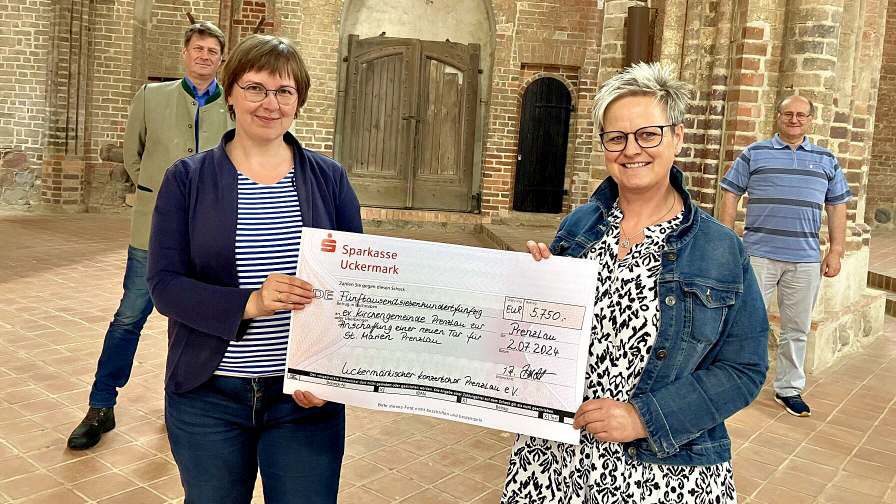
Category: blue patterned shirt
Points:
column 787, row 190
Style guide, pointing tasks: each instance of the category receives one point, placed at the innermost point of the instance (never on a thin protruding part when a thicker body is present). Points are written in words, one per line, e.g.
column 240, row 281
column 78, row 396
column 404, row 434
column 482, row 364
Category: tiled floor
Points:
column 60, row 281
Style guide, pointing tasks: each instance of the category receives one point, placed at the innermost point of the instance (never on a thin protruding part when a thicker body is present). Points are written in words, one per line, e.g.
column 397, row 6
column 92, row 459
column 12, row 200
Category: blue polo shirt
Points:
column 201, row 99
column 787, row 190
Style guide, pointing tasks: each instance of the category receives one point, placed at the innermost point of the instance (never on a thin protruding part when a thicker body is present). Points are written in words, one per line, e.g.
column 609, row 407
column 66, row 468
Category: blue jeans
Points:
column 120, row 343
column 227, row 429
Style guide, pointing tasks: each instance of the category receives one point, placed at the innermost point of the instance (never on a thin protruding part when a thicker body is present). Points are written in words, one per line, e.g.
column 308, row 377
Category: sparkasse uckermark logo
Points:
column 328, row 244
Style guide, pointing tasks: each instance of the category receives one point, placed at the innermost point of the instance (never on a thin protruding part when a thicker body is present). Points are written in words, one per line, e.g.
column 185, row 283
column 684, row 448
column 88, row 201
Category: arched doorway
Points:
column 541, row 152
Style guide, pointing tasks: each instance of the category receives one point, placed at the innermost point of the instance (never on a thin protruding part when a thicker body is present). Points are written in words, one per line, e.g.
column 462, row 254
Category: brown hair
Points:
column 205, row 29
column 266, row 53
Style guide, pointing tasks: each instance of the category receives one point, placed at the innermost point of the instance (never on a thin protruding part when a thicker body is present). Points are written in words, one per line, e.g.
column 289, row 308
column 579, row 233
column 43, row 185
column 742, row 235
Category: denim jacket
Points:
column 711, row 351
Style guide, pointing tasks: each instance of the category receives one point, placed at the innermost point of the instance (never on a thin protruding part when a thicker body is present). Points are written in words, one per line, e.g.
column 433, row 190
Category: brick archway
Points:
column 543, row 75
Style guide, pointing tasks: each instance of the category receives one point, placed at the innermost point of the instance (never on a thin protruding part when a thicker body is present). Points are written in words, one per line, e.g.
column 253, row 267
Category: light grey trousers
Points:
column 797, row 285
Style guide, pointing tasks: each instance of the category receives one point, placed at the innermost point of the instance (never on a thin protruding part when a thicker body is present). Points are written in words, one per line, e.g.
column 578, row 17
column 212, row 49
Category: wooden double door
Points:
column 409, row 122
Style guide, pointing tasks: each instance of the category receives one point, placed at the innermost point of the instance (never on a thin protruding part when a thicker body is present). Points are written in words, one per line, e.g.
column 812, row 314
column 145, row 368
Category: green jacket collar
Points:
column 189, row 89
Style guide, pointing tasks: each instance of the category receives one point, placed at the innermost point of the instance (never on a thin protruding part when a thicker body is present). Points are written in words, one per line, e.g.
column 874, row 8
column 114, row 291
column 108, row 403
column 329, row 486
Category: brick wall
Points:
column 731, row 53
column 529, row 34
column 24, row 48
column 880, row 208
column 826, row 50
column 314, row 24
column 112, row 85
column 164, row 39
column 705, row 64
column 740, row 56
column 68, row 78
column 246, row 19
column 500, row 130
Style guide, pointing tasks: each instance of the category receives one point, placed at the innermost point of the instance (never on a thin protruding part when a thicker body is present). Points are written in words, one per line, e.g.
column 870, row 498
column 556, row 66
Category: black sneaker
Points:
column 88, row 433
column 794, row 405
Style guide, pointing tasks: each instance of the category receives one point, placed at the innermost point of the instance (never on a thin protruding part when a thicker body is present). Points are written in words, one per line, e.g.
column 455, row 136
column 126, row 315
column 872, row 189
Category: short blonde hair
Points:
column 644, row 79
column 266, row 53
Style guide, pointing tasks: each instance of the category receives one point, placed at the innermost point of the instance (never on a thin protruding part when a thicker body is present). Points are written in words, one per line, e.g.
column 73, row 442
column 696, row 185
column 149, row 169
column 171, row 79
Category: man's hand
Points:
column 728, row 209
column 830, row 266
column 610, row 421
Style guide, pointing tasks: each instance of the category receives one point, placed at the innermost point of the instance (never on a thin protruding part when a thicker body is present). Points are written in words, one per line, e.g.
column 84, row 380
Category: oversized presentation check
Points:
column 486, row 337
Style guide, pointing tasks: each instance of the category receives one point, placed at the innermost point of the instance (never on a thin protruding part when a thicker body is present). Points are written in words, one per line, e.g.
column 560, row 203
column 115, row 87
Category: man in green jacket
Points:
column 167, row 121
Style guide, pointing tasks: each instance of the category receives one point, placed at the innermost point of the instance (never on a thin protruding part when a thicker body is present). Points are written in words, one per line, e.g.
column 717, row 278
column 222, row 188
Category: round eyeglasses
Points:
column 255, row 92
column 646, row 137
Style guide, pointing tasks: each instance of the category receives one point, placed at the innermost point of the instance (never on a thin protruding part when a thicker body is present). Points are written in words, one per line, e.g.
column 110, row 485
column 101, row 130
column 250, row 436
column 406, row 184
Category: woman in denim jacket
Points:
column 679, row 336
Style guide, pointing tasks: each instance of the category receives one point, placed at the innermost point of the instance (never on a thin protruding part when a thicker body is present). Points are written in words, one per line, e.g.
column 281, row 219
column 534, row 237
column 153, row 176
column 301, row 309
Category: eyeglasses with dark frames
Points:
column 801, row 117
column 255, row 93
column 646, row 137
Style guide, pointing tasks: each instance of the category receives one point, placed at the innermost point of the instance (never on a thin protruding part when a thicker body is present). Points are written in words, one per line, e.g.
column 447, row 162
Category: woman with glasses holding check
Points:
column 223, row 252
column 679, row 336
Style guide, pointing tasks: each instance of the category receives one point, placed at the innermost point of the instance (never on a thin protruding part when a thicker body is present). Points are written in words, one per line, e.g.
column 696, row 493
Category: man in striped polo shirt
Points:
column 788, row 181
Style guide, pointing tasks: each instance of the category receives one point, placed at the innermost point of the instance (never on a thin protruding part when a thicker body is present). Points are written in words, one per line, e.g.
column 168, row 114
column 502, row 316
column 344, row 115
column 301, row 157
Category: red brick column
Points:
column 810, row 56
column 880, row 206
column 317, row 33
column 707, row 69
column 744, row 98
column 62, row 177
column 502, row 123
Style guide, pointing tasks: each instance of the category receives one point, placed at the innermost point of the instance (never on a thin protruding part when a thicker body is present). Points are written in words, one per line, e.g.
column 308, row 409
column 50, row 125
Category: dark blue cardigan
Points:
column 192, row 269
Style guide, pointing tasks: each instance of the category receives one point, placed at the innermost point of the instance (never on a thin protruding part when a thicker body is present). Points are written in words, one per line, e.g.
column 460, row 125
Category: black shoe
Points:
column 88, row 433
column 794, row 405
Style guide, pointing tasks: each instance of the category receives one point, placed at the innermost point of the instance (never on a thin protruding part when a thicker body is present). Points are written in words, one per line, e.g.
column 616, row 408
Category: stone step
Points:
column 509, row 237
column 887, row 284
column 397, row 225
column 882, row 282
column 528, row 219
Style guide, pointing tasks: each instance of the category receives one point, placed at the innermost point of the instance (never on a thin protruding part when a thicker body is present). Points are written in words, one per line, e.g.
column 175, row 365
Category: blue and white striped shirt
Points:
column 787, row 191
column 268, row 236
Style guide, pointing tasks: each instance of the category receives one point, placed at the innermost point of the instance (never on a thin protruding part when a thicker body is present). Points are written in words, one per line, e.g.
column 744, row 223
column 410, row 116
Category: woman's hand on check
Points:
column 307, row 399
column 538, row 250
column 609, row 420
column 278, row 292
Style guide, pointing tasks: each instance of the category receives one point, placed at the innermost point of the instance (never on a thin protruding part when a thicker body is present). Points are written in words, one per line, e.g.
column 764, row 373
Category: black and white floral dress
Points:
column 626, row 317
